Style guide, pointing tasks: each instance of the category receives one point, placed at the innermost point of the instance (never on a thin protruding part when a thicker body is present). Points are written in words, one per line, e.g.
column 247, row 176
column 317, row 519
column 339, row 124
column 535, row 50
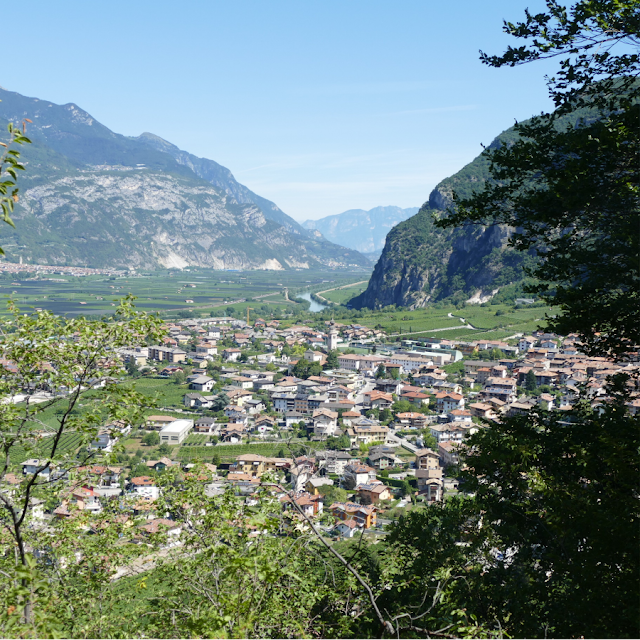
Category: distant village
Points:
column 40, row 269
column 359, row 433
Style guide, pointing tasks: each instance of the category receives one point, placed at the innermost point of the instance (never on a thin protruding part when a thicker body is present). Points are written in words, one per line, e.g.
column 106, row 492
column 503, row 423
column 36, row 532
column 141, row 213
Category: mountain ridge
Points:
column 359, row 229
column 93, row 197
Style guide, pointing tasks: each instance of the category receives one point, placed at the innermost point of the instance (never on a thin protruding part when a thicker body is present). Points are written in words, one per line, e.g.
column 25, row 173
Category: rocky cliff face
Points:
column 143, row 219
column 221, row 178
column 421, row 263
column 93, row 197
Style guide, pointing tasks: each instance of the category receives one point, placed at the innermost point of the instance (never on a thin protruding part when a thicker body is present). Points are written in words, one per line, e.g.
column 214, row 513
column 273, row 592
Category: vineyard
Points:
column 231, row 451
column 68, row 442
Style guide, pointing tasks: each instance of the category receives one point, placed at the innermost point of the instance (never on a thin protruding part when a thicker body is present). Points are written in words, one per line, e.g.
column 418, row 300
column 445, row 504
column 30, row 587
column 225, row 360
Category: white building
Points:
column 325, row 422
column 105, row 440
column 202, row 383
column 176, row 432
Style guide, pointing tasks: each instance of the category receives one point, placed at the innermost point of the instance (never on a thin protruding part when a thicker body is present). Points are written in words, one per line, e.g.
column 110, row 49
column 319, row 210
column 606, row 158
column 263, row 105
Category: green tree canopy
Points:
column 530, row 383
column 151, row 439
column 569, row 183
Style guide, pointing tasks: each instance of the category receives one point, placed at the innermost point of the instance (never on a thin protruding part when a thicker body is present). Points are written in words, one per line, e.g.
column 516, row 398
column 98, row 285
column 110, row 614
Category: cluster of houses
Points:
column 381, row 407
column 339, row 402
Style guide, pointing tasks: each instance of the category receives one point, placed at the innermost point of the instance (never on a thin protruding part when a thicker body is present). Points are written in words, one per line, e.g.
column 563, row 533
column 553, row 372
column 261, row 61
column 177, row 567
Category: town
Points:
column 353, row 440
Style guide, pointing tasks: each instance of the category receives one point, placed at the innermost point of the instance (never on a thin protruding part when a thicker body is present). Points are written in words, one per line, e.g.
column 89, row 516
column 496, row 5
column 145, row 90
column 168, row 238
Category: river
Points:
column 315, row 306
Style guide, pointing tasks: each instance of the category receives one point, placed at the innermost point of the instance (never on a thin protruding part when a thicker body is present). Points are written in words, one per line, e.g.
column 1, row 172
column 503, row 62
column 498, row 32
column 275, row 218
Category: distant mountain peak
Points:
column 358, row 229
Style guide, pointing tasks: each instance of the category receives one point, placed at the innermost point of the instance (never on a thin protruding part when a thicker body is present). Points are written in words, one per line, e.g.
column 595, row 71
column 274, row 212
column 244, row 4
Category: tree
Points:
column 340, row 442
column 428, row 440
column 332, row 360
column 566, row 523
column 303, row 368
column 164, row 449
column 405, row 488
column 212, row 369
column 554, row 514
column 402, row 406
column 381, row 372
column 151, row 439
column 568, row 184
column 178, row 378
column 530, row 383
column 43, row 351
column 220, row 402
column 131, row 367
column 332, row 494
column 9, row 166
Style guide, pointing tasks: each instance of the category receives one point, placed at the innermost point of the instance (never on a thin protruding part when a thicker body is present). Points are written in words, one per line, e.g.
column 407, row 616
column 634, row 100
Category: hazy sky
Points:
column 318, row 106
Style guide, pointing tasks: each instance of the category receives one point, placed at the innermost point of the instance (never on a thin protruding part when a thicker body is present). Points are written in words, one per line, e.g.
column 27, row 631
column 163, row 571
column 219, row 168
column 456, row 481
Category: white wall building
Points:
column 176, row 431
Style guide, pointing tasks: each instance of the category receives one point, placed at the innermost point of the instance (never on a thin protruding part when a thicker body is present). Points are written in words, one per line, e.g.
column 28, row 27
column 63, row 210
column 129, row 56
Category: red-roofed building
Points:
column 447, row 402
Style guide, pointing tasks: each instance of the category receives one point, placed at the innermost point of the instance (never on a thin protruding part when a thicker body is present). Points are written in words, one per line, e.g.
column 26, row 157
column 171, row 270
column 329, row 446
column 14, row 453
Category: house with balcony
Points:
column 363, row 515
column 378, row 400
column 157, row 422
column 373, row 493
column 256, row 465
column 202, row 383
column 335, row 461
column 310, row 504
column 144, row 487
column 448, row 401
column 448, row 432
column 366, row 432
column 429, row 474
column 357, row 473
column 410, row 420
column 325, row 422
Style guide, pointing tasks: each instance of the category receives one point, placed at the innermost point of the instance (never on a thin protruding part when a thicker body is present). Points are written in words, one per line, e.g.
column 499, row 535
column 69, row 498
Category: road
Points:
column 346, row 286
column 369, row 385
column 392, row 437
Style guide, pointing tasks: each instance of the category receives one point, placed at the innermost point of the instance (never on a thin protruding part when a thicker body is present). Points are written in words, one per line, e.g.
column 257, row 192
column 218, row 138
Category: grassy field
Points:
column 160, row 392
column 342, row 296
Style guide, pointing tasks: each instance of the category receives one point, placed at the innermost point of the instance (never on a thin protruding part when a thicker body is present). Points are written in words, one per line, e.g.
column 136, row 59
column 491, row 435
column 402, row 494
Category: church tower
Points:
column 332, row 338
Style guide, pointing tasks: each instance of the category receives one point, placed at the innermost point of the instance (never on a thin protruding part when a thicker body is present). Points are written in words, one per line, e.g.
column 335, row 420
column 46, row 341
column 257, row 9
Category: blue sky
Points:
column 318, row 106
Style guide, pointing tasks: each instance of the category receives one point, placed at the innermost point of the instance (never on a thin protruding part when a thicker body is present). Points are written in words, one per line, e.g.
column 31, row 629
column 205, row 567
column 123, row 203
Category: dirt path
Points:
column 346, row 286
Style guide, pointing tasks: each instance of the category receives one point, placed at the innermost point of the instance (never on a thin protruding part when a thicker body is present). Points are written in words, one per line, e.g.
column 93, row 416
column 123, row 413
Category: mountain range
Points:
column 96, row 198
column 364, row 231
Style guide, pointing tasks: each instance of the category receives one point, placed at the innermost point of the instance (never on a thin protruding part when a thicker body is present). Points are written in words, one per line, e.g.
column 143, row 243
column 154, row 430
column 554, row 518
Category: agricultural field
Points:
column 197, row 290
column 343, row 295
column 229, row 452
column 68, row 442
column 492, row 322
